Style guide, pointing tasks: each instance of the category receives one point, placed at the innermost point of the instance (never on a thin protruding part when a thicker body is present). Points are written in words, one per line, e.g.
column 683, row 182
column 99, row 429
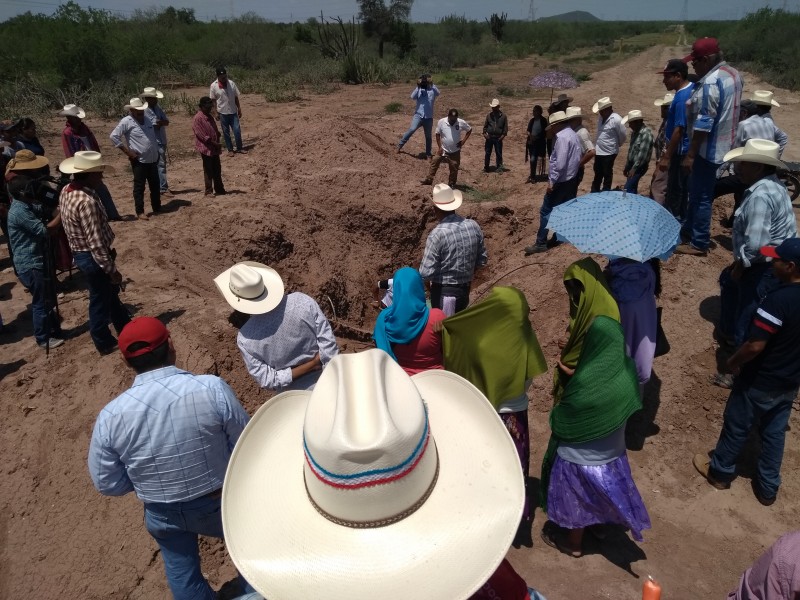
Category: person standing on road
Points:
column 160, row 122
column 536, row 141
column 168, row 438
column 90, row 239
column 660, row 179
column 206, row 142
column 135, row 136
column 610, row 136
column 713, row 114
column 640, row 150
column 425, row 95
column 766, row 372
column 587, row 147
column 675, row 78
column 495, row 130
column 225, row 93
column 449, row 142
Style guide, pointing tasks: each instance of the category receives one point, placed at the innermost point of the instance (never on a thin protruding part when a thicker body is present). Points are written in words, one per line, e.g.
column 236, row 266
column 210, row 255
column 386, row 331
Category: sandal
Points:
column 550, row 536
column 723, row 380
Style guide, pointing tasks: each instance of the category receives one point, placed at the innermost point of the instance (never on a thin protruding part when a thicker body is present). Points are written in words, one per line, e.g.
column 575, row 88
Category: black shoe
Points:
column 523, row 536
column 222, row 193
column 764, row 500
column 535, row 249
column 106, row 350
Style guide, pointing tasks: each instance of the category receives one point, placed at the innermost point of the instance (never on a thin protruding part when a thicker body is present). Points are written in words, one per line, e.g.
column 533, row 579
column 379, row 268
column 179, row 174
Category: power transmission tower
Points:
column 685, row 11
column 531, row 12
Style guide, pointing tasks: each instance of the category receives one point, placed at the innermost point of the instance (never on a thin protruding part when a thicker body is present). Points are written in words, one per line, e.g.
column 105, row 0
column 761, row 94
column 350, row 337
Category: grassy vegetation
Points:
column 393, row 108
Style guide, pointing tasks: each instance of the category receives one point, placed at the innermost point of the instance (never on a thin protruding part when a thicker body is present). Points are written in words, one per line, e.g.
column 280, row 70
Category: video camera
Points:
column 424, row 81
column 45, row 192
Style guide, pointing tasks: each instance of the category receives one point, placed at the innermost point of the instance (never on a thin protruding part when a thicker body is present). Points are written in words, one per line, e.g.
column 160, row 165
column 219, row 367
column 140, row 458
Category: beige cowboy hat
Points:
column 556, row 118
column 446, row 198
column 574, row 112
column 72, row 110
column 755, row 150
column 136, row 104
column 604, row 102
column 634, row 115
column 665, row 101
column 250, row 287
column 561, row 98
column 764, row 98
column 494, row 102
column 85, row 161
column 151, row 92
column 373, row 485
column 25, row 160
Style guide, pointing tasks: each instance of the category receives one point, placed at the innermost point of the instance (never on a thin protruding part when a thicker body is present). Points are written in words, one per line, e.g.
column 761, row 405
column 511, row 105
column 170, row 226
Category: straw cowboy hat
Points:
column 556, row 118
column 764, row 98
column 494, row 102
column 757, row 151
column 72, row 110
column 136, row 104
column 665, row 101
column 446, row 198
column 151, row 92
column 562, row 98
column 574, row 112
column 634, row 115
column 250, row 287
column 373, row 485
column 604, row 102
column 85, row 161
column 25, row 160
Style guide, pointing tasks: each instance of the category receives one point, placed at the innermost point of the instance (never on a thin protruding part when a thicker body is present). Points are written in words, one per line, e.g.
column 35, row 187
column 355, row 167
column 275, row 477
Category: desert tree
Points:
column 496, row 25
column 384, row 21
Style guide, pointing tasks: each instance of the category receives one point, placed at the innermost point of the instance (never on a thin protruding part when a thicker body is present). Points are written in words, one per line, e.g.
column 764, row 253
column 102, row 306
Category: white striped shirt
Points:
column 453, row 251
column 714, row 109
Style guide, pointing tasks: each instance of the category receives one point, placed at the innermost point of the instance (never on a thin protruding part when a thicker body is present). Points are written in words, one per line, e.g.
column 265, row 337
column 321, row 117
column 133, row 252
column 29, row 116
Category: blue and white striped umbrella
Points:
column 617, row 224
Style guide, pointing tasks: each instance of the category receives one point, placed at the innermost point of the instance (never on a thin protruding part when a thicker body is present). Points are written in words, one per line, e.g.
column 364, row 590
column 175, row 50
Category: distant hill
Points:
column 576, row 16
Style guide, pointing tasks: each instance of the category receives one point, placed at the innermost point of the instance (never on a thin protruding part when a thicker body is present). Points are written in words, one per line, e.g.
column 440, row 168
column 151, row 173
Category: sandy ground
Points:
column 324, row 198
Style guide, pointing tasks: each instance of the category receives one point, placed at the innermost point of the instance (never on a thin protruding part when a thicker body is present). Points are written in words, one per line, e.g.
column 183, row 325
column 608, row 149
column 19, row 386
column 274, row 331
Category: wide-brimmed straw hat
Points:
column 634, row 115
column 25, row 160
column 136, row 104
column 494, row 102
column 446, row 198
column 72, row 110
column 373, row 485
column 85, row 161
column 250, row 287
column 574, row 112
column 764, row 98
column 561, row 98
column 665, row 101
column 151, row 92
column 556, row 118
column 604, row 102
column 755, row 150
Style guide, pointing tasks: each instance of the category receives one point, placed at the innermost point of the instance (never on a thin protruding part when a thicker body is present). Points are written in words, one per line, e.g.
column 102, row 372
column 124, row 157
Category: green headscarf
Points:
column 595, row 299
column 598, row 398
column 492, row 345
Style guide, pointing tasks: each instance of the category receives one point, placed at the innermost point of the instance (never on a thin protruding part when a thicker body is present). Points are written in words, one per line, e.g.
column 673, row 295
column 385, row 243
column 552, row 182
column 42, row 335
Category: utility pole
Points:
column 532, row 11
column 685, row 11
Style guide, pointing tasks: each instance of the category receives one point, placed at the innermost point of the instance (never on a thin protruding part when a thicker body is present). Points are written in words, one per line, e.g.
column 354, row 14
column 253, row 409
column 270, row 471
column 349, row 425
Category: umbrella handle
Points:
column 551, row 95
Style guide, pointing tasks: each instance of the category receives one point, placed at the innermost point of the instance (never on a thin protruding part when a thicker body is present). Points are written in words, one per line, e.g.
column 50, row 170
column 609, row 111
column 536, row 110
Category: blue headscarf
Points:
column 405, row 319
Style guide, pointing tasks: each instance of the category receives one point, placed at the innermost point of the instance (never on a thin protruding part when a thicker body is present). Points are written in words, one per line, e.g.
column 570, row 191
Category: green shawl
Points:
column 595, row 299
column 598, row 398
column 492, row 345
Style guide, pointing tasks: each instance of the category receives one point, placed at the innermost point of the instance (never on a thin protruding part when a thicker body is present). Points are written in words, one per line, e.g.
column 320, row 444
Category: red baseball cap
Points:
column 148, row 331
column 788, row 250
column 703, row 47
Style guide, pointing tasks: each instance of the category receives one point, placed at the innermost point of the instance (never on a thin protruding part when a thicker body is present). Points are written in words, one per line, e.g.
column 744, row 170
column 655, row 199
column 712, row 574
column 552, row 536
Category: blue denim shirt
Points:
column 26, row 235
column 425, row 99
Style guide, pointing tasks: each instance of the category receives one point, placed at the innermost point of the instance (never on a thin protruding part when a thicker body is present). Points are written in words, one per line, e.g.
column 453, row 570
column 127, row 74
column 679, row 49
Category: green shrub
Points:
column 393, row 108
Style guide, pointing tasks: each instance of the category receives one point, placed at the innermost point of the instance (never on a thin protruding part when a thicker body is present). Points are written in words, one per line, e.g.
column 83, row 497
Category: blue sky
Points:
column 428, row 10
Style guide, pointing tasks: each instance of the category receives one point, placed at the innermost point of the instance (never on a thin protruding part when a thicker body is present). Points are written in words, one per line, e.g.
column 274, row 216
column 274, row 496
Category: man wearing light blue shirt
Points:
column 135, row 136
column 425, row 94
column 168, row 439
column 160, row 122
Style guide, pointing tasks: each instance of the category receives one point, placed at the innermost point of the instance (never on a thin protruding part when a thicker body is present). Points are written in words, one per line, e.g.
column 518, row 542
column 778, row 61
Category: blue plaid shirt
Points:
column 26, row 235
column 714, row 109
column 168, row 438
column 453, row 251
column 765, row 218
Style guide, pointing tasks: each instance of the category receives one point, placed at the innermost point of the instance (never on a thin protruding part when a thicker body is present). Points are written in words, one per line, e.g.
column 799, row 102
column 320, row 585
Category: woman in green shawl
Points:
column 589, row 297
column 586, row 479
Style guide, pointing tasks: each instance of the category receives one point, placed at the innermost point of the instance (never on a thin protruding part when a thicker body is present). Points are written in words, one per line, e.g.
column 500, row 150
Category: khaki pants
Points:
column 453, row 161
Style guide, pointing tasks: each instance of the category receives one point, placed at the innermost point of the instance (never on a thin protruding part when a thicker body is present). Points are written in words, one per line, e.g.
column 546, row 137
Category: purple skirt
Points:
column 582, row 495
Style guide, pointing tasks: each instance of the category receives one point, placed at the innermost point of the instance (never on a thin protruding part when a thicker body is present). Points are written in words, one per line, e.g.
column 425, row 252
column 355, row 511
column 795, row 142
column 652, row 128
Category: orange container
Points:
column 651, row 590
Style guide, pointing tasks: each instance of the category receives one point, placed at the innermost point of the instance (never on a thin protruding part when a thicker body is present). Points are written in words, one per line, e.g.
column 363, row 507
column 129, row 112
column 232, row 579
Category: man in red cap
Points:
column 712, row 117
column 168, row 439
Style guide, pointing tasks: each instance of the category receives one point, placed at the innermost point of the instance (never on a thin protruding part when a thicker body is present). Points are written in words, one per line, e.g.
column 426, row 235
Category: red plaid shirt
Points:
column 205, row 132
column 86, row 224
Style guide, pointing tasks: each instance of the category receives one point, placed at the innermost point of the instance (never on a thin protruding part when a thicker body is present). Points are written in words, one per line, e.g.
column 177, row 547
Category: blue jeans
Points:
column 566, row 190
column 108, row 202
column 162, row 168
column 416, row 123
column 496, row 144
column 701, row 194
column 747, row 407
column 740, row 299
column 231, row 122
column 45, row 319
column 175, row 526
column 632, row 183
column 104, row 303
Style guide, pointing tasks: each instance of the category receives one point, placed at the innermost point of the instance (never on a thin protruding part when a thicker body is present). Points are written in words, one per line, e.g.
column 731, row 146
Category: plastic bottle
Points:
column 651, row 590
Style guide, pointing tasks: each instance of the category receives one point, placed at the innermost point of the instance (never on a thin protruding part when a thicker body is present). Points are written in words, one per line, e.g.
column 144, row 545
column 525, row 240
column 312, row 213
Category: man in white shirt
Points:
column 611, row 135
column 448, row 138
column 587, row 147
column 225, row 93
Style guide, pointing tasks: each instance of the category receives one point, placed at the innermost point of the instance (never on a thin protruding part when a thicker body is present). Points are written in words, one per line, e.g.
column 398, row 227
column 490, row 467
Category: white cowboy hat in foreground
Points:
column 603, row 103
column 556, row 118
column 136, row 104
column 446, row 198
column 373, row 485
column 250, row 287
column 634, row 115
column 755, row 150
column 85, row 161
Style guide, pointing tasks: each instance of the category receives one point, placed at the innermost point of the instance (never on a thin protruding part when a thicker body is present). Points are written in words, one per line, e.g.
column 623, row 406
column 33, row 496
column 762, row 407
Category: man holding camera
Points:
column 29, row 226
column 425, row 94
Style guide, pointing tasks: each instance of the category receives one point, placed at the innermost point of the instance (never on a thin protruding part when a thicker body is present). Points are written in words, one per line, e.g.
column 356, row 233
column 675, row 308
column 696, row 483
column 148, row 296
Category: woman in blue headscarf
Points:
column 407, row 330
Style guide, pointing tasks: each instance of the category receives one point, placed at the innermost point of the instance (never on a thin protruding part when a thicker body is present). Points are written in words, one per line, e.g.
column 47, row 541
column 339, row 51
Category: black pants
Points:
column 146, row 172
column 212, row 173
column 603, row 172
column 730, row 184
column 677, row 188
column 496, row 144
column 461, row 293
